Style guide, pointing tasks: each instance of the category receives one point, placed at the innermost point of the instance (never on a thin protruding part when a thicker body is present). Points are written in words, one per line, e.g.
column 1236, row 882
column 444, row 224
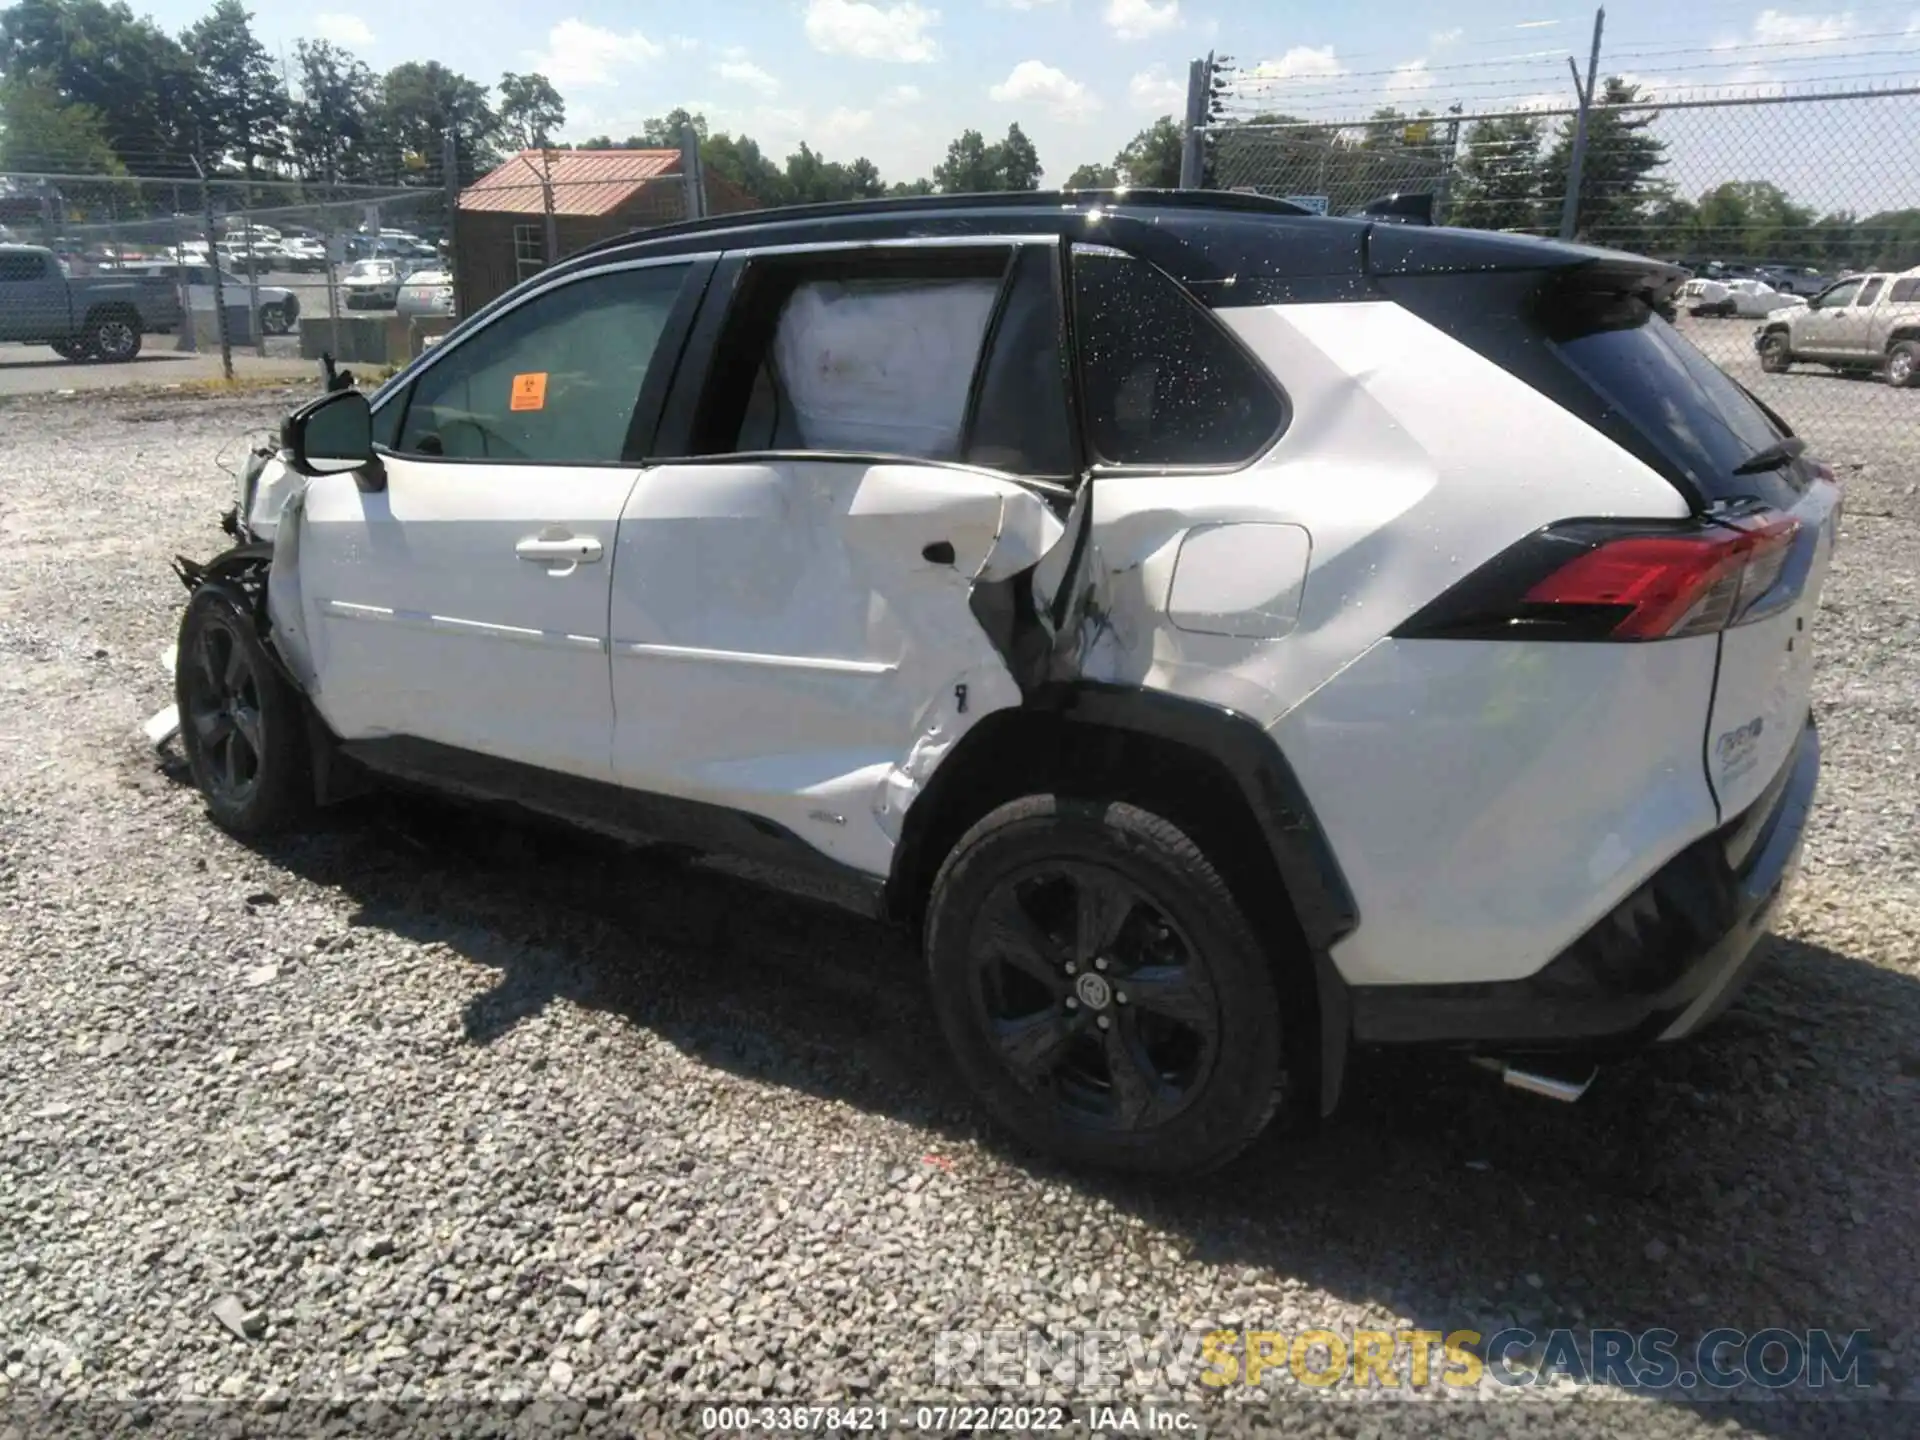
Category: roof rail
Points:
column 1230, row 200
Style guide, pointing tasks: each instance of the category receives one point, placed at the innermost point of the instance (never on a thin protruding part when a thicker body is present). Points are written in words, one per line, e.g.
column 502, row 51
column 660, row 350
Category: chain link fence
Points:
column 1775, row 199
column 282, row 268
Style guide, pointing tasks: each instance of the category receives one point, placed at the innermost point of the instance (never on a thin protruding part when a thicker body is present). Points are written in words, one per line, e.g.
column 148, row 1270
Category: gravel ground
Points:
column 417, row 1109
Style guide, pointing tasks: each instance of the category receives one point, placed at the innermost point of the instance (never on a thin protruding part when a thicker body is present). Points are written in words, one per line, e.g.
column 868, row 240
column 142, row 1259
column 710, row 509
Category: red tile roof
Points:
column 585, row 182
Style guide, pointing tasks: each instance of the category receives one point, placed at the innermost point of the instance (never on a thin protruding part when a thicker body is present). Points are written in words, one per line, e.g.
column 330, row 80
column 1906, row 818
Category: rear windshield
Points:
column 1684, row 403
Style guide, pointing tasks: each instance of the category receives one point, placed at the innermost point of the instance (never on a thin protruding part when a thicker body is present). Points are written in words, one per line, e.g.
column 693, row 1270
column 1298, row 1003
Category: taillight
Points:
column 1602, row 580
column 1661, row 586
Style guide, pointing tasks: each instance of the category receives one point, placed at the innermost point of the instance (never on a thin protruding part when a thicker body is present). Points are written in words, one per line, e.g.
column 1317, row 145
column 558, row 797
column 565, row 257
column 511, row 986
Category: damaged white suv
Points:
column 1226, row 635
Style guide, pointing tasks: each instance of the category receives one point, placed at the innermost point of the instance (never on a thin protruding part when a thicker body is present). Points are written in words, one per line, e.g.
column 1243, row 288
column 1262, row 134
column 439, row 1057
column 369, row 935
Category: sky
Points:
column 896, row 80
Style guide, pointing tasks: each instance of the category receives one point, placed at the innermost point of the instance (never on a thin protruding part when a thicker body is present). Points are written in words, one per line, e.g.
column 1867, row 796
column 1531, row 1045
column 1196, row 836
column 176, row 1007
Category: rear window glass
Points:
column 1684, row 403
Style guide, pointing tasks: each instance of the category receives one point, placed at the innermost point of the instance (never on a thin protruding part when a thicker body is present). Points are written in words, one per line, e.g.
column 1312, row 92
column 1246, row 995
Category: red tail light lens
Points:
column 1668, row 585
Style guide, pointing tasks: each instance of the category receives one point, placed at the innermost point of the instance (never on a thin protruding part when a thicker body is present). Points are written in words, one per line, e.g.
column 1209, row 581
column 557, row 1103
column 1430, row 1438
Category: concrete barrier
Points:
column 206, row 328
column 426, row 328
column 362, row 339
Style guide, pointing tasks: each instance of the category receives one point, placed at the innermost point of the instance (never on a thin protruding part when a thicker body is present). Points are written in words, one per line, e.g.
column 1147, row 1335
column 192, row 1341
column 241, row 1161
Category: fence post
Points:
column 692, row 175
column 213, row 268
column 253, row 276
column 1570, row 206
column 450, row 163
column 1193, row 138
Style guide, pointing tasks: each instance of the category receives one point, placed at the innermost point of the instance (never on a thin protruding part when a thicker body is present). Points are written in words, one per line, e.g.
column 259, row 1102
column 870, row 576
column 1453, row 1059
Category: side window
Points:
column 1161, row 381
column 1872, row 291
column 554, row 380
column 17, row 268
column 1839, row 296
column 1905, row 292
column 1020, row 423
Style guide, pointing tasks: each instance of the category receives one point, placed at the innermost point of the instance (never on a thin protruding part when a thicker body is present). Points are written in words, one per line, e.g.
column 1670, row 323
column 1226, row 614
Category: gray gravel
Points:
column 413, row 1108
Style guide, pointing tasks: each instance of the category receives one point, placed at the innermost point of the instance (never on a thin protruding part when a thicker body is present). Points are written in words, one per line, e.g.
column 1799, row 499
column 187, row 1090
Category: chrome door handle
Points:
column 573, row 550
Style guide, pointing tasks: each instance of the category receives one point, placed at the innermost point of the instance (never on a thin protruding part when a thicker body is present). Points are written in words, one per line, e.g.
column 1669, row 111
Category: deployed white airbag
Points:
column 882, row 364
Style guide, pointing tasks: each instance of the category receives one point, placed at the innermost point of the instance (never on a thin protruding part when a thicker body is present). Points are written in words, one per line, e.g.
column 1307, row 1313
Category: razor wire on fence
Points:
column 1771, row 199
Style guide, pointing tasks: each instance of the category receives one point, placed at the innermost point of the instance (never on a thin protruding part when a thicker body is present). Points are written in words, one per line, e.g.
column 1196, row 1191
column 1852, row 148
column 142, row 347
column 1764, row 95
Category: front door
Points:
column 1818, row 334
column 465, row 603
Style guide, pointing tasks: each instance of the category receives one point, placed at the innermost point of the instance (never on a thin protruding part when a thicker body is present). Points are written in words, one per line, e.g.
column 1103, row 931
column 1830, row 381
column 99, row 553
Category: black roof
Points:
column 1227, row 247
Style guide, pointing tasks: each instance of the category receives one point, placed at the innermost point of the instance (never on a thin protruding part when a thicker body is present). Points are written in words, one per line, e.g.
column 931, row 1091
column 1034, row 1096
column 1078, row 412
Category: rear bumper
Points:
column 1662, row 964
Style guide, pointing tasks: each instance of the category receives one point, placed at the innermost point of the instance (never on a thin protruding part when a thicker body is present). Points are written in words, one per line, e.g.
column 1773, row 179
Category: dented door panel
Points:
column 794, row 637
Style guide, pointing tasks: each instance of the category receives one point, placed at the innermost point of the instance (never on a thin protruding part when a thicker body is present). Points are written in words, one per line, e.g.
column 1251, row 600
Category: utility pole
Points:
column 213, row 258
column 450, row 164
column 552, row 235
column 1193, row 138
column 1570, row 207
column 692, row 174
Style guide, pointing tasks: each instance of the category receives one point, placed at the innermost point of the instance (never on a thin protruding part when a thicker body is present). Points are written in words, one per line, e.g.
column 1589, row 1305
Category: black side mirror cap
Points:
column 332, row 435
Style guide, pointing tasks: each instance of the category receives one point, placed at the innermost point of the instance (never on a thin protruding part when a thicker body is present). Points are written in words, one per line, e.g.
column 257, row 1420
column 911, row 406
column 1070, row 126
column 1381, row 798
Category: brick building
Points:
column 500, row 231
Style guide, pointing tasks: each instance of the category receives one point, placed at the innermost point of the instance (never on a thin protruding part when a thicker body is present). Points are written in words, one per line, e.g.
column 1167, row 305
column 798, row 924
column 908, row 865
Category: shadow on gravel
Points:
column 1759, row 1178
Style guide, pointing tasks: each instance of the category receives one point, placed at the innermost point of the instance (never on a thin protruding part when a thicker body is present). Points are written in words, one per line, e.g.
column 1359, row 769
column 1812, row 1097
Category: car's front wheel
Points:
column 240, row 720
column 1776, row 356
column 1101, row 990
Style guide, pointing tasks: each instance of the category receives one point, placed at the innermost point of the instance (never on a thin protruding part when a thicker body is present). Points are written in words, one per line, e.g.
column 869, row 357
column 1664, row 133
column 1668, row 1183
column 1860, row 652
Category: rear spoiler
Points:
column 1399, row 209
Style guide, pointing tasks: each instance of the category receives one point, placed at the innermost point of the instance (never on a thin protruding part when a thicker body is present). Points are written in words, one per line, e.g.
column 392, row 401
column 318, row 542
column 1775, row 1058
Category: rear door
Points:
column 871, row 438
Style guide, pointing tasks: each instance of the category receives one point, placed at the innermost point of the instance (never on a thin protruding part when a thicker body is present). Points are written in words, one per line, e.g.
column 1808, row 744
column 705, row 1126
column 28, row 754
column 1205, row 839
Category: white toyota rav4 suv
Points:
column 1225, row 635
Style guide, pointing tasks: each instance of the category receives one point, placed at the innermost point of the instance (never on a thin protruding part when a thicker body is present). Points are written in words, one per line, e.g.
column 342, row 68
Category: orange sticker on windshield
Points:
column 529, row 392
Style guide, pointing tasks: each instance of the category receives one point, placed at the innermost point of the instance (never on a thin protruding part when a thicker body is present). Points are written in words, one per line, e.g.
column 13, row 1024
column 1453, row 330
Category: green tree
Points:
column 530, row 111
column 41, row 131
column 1618, row 183
column 240, row 105
column 419, row 103
column 969, row 166
column 331, row 125
column 910, row 187
column 1015, row 162
column 738, row 158
column 132, row 75
column 1497, row 186
column 1093, row 177
column 1151, row 159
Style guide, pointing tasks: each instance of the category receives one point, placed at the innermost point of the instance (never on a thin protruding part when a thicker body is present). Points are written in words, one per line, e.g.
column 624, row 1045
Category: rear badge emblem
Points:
column 1735, row 749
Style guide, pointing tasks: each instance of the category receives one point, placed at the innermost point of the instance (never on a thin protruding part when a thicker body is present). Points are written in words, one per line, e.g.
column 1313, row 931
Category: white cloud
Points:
column 1302, row 62
column 342, row 29
column 1034, row 83
column 844, row 124
column 1021, row 4
column 1777, row 27
column 580, row 54
column 1410, row 78
column 1155, row 90
column 745, row 72
column 901, row 95
column 872, row 32
column 1446, row 37
column 1138, row 19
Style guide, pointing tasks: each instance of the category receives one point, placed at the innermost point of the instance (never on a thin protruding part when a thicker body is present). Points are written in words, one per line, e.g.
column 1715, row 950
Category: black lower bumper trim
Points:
column 1661, row 964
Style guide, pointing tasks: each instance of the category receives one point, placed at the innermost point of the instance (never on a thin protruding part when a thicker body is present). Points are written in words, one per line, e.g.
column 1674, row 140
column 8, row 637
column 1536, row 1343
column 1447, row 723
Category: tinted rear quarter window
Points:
column 1163, row 384
column 1684, row 403
column 15, row 268
column 1905, row 292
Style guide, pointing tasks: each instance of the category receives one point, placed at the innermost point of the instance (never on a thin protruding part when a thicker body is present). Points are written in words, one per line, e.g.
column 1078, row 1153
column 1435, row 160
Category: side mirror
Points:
column 331, row 435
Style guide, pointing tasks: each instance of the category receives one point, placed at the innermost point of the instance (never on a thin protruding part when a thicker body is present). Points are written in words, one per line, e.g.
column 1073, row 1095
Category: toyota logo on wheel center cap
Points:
column 1093, row 990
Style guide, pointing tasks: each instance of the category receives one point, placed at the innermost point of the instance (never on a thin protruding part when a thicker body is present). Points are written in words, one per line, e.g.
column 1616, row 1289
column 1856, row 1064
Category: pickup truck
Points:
column 96, row 317
column 1865, row 322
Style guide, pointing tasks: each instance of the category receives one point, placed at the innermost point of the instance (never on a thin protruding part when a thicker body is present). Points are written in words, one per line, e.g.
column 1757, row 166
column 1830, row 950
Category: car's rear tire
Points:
column 275, row 320
column 114, row 337
column 1052, row 915
column 1903, row 365
column 241, row 721
column 1776, row 355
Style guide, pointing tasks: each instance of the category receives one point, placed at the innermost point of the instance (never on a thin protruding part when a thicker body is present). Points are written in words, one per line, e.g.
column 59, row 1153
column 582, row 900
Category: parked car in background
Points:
column 1052, row 635
column 426, row 292
column 82, row 317
column 304, row 253
column 1869, row 322
column 1795, row 279
column 279, row 307
column 1751, row 298
column 372, row 284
